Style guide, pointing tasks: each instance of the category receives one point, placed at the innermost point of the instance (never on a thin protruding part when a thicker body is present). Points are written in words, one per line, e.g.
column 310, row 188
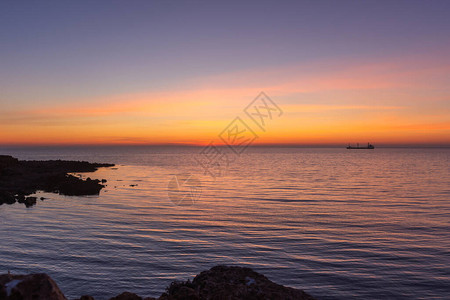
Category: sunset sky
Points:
column 178, row 72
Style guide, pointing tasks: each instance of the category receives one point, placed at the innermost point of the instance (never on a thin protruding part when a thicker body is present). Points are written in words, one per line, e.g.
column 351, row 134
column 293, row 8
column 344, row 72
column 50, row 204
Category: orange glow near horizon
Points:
column 381, row 103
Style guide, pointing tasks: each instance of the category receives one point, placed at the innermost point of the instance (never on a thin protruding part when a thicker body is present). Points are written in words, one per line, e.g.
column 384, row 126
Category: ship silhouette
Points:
column 369, row 146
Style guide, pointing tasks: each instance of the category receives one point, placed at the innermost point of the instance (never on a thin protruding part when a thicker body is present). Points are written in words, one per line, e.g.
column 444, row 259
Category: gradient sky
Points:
column 138, row 72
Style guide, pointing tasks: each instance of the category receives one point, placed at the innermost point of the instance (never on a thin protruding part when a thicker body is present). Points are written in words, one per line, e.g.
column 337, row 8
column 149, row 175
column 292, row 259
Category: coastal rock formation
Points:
column 28, row 201
column 29, row 287
column 220, row 282
column 129, row 296
column 86, row 298
column 223, row 282
column 19, row 179
column 7, row 161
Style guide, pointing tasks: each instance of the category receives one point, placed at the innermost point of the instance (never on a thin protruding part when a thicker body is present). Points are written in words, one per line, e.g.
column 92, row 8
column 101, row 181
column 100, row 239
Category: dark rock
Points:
column 6, row 197
column 2, row 293
column 20, row 198
column 179, row 291
column 22, row 178
column 74, row 186
column 220, row 282
column 224, row 282
column 127, row 296
column 29, row 287
column 28, row 201
column 86, row 298
column 7, row 161
column 43, row 198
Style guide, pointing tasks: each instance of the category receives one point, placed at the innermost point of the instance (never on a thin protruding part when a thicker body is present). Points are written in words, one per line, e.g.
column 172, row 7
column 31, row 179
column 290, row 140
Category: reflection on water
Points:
column 335, row 222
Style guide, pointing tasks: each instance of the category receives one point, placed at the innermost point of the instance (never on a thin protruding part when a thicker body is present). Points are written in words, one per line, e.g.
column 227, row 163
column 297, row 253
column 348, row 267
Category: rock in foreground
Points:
column 220, row 282
column 19, row 179
column 29, row 287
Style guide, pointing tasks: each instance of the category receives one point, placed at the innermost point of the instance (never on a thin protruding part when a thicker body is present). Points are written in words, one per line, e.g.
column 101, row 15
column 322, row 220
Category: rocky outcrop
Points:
column 28, row 201
column 86, row 298
column 29, row 287
column 220, row 282
column 18, row 179
column 130, row 296
column 223, row 282
column 7, row 161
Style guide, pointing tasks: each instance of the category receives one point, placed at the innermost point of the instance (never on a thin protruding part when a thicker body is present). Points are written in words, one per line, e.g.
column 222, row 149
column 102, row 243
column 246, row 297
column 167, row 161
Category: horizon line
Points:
column 261, row 145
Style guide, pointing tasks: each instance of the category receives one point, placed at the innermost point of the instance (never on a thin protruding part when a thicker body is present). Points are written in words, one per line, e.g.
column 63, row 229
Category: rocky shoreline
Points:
column 220, row 282
column 19, row 179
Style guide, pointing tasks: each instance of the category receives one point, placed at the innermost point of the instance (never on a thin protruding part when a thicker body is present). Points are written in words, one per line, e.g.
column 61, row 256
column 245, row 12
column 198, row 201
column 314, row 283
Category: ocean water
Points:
column 337, row 223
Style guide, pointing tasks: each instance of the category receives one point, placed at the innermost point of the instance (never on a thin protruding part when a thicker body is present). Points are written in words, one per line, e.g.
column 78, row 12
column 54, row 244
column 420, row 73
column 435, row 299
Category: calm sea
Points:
column 340, row 224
